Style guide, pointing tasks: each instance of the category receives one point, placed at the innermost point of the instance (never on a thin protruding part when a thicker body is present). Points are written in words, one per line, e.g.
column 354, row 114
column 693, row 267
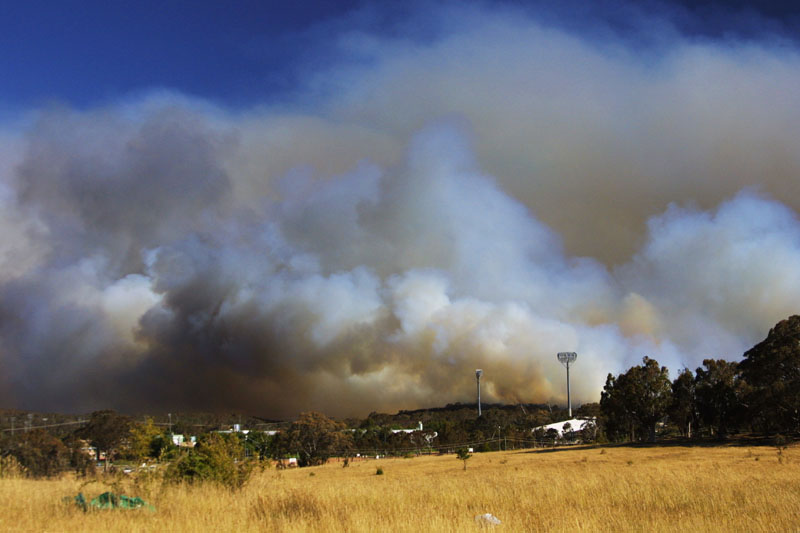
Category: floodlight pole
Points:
column 478, row 374
column 567, row 358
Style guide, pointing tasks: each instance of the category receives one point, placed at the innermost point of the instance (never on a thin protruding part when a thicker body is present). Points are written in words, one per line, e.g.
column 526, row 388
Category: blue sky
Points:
column 83, row 53
column 89, row 51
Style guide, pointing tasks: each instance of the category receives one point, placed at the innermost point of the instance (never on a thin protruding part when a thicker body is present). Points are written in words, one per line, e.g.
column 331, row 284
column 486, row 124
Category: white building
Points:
column 575, row 424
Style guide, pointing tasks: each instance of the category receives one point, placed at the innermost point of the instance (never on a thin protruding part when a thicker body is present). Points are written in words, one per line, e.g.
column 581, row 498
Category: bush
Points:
column 463, row 455
column 216, row 458
column 10, row 467
column 39, row 453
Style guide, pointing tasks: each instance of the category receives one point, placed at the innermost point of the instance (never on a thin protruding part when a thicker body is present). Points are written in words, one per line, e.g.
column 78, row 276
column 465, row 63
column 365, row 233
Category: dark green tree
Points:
column 638, row 399
column 719, row 392
column 259, row 444
column 588, row 410
column 314, row 437
column 464, row 455
column 617, row 417
column 107, row 431
column 683, row 408
column 451, row 432
column 772, row 371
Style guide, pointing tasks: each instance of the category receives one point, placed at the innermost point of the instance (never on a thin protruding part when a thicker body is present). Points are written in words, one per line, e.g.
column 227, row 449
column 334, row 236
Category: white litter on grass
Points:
column 487, row 519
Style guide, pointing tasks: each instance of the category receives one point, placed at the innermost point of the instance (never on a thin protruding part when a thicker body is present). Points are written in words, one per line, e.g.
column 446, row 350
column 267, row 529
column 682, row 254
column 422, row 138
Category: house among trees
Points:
column 427, row 436
column 87, row 449
column 180, row 441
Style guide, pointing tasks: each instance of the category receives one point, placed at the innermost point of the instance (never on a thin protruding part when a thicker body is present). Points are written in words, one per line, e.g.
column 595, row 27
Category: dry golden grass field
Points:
column 611, row 489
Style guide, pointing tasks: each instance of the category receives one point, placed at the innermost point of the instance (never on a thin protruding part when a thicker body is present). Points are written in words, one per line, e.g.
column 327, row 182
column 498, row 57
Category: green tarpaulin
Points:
column 109, row 500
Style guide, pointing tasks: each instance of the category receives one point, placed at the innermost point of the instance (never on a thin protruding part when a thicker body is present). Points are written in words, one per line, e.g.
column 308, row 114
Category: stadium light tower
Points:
column 478, row 374
column 566, row 359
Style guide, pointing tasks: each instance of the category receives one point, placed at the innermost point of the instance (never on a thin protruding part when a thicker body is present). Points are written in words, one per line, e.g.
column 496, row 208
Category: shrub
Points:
column 108, row 431
column 39, row 453
column 216, row 458
column 10, row 467
column 463, row 455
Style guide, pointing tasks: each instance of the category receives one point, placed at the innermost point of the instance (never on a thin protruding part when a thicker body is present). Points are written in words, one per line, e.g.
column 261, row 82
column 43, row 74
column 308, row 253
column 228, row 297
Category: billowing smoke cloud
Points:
column 485, row 199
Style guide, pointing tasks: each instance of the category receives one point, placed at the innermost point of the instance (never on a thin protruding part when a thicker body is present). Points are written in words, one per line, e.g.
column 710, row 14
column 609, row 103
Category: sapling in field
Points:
column 464, row 455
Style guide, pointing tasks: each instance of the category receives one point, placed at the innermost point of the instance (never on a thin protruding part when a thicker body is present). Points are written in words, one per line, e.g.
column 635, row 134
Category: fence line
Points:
column 447, row 448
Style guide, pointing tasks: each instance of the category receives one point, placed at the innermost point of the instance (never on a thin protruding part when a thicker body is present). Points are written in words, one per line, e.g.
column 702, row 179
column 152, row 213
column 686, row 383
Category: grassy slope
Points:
column 594, row 489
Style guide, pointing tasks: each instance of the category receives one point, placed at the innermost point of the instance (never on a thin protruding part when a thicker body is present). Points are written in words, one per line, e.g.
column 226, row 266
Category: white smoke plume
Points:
column 503, row 191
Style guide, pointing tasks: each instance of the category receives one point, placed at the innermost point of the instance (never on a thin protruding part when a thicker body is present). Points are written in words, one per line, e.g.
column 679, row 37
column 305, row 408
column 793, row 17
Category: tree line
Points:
column 310, row 440
column 761, row 393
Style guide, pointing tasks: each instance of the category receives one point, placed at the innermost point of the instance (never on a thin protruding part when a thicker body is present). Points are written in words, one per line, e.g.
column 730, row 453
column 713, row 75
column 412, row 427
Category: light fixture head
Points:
column 567, row 358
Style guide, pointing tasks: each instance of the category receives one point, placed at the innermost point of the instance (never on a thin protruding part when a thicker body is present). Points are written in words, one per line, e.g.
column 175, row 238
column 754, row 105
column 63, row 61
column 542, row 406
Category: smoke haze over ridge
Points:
column 481, row 198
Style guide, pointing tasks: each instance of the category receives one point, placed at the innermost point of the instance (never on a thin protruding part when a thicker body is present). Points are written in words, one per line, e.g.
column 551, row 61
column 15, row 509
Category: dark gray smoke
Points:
column 485, row 200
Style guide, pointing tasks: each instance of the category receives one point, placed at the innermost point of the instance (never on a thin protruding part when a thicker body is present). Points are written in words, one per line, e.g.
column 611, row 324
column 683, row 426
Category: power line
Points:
column 47, row 425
